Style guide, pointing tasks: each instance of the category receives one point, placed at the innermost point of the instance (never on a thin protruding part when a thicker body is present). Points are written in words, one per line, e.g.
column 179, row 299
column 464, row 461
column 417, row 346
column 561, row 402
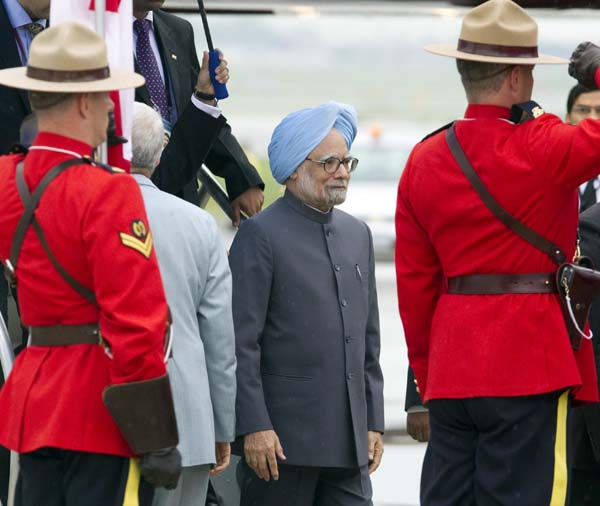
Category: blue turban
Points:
column 302, row 131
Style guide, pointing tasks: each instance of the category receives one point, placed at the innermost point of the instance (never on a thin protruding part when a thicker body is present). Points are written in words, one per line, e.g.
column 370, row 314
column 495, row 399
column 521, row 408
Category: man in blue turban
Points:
column 310, row 389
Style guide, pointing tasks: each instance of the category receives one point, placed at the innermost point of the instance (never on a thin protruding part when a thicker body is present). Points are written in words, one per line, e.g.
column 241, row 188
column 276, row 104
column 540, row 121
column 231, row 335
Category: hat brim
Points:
column 120, row 79
column 451, row 51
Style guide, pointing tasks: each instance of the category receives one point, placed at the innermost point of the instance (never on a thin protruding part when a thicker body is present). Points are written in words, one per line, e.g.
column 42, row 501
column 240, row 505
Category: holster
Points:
column 581, row 283
column 144, row 413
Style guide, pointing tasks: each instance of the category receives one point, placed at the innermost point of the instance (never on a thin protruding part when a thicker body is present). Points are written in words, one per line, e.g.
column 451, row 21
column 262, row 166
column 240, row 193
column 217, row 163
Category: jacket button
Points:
column 348, row 339
column 337, row 267
column 344, row 303
column 350, row 375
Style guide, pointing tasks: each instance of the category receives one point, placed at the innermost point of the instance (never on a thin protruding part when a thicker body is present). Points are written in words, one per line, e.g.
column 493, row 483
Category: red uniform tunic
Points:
column 491, row 345
column 91, row 220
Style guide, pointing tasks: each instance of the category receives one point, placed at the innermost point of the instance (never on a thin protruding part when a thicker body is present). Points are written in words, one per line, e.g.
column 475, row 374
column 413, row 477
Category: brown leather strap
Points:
column 496, row 284
column 64, row 335
column 30, row 203
column 522, row 230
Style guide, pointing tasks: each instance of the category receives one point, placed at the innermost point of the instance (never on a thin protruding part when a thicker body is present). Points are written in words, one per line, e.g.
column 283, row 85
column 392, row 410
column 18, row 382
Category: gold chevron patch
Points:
column 141, row 240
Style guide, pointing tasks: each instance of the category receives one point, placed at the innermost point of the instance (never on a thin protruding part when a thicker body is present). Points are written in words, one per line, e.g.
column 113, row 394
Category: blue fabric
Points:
column 302, row 131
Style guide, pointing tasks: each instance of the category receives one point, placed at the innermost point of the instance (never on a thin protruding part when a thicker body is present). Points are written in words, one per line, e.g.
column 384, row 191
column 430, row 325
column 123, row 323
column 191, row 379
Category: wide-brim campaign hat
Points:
column 497, row 31
column 69, row 58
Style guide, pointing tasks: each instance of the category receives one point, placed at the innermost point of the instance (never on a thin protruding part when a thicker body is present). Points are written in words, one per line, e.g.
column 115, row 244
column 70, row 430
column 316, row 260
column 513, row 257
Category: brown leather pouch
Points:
column 144, row 413
column 578, row 285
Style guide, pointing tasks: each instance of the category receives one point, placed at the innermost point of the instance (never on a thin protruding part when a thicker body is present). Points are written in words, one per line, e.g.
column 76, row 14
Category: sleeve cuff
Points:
column 215, row 112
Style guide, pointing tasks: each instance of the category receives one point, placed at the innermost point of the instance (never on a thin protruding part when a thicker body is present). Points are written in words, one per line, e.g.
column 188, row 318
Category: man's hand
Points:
column 375, row 450
column 250, row 202
column 261, row 450
column 417, row 425
column 584, row 63
column 223, row 454
column 204, row 84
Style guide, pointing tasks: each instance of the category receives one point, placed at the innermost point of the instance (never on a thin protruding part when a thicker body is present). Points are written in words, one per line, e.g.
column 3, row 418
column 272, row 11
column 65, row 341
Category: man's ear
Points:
column 83, row 104
column 514, row 78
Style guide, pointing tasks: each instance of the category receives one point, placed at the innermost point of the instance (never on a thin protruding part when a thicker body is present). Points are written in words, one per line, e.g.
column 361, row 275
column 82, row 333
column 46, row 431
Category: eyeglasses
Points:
column 332, row 164
column 586, row 109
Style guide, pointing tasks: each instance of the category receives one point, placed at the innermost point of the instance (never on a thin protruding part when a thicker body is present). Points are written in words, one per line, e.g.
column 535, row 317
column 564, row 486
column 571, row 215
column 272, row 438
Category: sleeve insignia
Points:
column 140, row 239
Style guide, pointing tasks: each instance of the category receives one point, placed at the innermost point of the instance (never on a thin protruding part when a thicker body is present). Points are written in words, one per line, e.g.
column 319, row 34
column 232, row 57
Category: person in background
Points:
column 197, row 280
column 585, row 471
column 583, row 104
column 165, row 54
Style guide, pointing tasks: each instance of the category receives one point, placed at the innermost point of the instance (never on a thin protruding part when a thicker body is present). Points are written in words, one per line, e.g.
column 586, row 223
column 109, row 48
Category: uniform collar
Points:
column 305, row 210
column 480, row 111
column 62, row 142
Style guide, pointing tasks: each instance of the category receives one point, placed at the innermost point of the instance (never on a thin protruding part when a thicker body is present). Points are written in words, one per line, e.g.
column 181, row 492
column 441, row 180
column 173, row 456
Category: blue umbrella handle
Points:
column 213, row 63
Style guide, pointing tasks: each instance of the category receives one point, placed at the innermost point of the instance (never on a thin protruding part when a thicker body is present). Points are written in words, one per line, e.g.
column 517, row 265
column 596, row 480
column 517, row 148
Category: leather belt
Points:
column 497, row 284
column 65, row 335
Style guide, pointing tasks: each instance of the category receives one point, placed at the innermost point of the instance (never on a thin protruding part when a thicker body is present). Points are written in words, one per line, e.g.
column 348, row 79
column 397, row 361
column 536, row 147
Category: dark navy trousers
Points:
column 497, row 451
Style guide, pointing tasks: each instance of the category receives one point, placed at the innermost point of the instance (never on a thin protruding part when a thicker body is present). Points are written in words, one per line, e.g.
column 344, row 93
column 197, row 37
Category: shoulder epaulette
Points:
column 519, row 113
column 441, row 129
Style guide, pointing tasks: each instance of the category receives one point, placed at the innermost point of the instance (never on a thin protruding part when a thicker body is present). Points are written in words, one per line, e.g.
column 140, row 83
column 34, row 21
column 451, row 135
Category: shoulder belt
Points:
column 30, row 203
column 522, row 230
column 441, row 129
column 526, row 111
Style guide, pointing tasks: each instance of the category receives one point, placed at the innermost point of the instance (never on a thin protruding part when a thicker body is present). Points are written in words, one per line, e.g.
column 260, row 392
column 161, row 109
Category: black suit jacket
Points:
column 175, row 40
column 586, row 420
column 14, row 105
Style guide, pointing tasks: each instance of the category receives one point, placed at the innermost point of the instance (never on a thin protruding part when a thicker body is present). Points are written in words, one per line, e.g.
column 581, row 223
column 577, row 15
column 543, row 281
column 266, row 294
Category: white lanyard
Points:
column 58, row 150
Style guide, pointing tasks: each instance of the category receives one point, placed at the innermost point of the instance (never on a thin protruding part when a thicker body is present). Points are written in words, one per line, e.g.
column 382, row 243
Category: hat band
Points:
column 479, row 48
column 68, row 76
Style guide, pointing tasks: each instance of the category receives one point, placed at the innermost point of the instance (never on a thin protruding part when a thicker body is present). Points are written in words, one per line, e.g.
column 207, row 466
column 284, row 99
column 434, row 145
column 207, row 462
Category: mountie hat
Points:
column 497, row 31
column 69, row 58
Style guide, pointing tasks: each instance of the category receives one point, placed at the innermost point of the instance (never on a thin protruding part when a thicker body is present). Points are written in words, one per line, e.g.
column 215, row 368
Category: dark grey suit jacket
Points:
column 307, row 332
column 175, row 39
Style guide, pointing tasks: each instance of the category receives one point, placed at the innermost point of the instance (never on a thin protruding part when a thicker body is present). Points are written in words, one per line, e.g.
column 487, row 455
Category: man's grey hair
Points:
column 481, row 79
column 147, row 137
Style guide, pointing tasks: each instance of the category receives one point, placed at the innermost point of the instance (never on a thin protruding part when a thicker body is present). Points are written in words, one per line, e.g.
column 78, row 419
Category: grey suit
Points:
column 307, row 333
column 197, row 281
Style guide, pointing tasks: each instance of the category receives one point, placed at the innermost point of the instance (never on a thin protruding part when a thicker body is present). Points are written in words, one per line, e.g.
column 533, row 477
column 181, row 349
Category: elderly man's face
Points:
column 314, row 185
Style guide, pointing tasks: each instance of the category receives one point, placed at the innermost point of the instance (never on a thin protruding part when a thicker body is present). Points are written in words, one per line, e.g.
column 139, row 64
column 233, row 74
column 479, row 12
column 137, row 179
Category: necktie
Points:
column 149, row 67
column 588, row 197
column 34, row 29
